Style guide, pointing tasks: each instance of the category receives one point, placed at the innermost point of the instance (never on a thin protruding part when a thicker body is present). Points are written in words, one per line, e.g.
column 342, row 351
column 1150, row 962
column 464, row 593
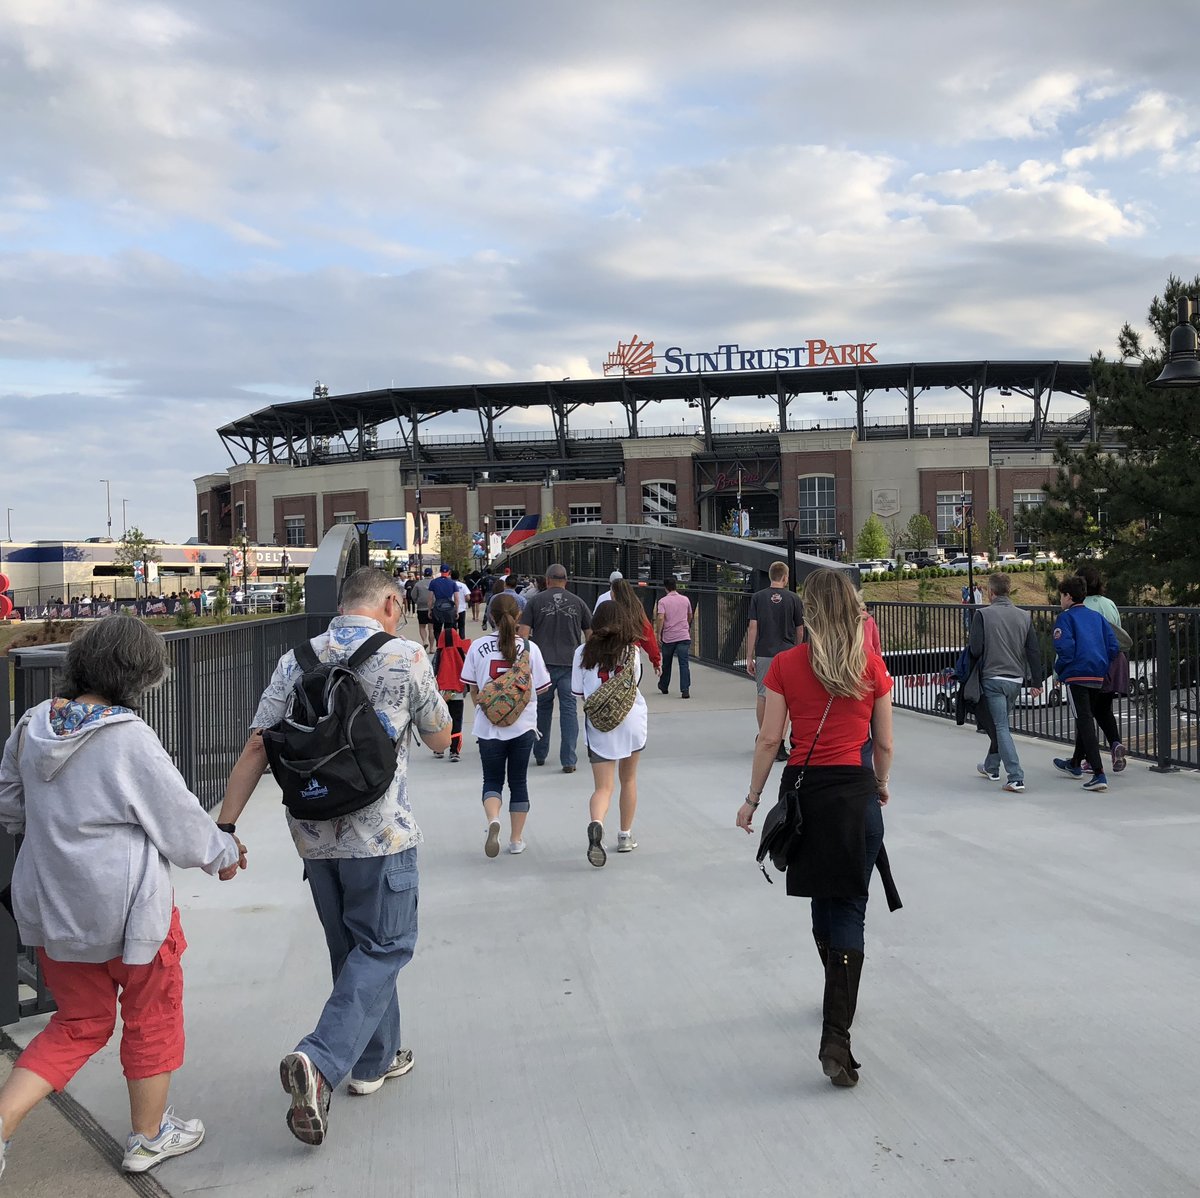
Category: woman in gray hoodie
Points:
column 104, row 814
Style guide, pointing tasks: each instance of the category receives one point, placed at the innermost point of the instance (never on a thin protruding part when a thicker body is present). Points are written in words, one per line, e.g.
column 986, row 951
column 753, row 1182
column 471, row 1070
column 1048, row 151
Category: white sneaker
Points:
column 3, row 1147
column 625, row 842
column 400, row 1066
column 491, row 846
column 175, row 1137
column 516, row 846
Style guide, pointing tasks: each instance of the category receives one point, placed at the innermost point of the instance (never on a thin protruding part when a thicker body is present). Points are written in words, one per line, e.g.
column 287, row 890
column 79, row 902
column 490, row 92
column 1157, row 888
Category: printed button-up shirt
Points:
column 400, row 684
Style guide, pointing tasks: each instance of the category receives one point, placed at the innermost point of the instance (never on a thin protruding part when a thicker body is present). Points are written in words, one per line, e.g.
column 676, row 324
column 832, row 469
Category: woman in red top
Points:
column 837, row 694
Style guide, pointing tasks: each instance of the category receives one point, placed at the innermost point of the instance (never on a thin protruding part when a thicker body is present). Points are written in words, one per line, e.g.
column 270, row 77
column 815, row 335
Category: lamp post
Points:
column 9, row 538
column 124, row 519
column 790, row 523
column 487, row 541
column 1098, row 491
column 108, row 503
column 1182, row 368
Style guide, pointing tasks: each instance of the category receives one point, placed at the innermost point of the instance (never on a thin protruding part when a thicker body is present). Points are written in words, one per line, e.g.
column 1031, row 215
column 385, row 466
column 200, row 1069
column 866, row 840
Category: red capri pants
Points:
column 86, row 994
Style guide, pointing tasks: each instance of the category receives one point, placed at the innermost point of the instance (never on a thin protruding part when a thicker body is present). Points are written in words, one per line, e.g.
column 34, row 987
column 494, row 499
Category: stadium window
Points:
column 507, row 518
column 817, row 506
column 293, row 527
column 660, row 502
column 204, row 527
column 344, row 517
column 584, row 513
column 951, row 515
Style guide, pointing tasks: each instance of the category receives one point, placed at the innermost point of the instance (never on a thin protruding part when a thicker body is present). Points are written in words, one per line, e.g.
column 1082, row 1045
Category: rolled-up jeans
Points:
column 1000, row 695
column 568, row 717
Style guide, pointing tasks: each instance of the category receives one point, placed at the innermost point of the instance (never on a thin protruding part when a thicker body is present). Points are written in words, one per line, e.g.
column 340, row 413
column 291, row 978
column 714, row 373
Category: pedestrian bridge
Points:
column 1025, row 1022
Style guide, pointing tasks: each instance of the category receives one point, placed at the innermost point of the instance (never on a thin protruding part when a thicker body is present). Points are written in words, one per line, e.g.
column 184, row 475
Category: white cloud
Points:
column 1153, row 122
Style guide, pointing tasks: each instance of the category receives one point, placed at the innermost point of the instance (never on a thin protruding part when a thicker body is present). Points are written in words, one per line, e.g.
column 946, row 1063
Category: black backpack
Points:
column 330, row 754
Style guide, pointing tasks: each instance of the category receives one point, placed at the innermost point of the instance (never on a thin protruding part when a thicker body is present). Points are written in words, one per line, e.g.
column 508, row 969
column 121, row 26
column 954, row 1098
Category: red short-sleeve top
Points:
column 848, row 727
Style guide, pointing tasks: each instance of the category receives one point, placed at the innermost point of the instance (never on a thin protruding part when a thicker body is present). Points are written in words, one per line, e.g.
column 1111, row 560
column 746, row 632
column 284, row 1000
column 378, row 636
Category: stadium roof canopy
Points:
column 285, row 432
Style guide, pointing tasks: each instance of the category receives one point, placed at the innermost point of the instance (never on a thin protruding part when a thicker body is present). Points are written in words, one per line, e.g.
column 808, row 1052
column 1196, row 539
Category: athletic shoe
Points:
column 568, row 769
column 1065, row 767
column 400, row 1066
column 1096, row 782
column 685, row 694
column 491, row 846
column 991, row 775
column 625, row 842
column 175, row 1137
column 663, row 690
column 453, row 756
column 308, row 1118
column 595, row 853
column 1086, row 766
column 537, row 762
column 516, row 846
column 3, row 1147
column 1014, row 788
column 1118, row 756
column 438, row 755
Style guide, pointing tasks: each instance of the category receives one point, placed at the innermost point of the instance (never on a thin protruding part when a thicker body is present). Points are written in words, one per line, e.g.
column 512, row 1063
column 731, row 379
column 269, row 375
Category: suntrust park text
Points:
column 733, row 357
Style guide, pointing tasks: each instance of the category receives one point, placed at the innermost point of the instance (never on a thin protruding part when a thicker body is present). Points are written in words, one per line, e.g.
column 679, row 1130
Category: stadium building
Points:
column 299, row 468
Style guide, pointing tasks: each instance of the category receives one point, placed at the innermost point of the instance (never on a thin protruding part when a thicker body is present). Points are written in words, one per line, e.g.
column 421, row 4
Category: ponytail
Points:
column 505, row 611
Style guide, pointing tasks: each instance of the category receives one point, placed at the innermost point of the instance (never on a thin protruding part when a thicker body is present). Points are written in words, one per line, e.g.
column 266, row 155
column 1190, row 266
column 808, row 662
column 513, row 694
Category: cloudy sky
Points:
column 207, row 206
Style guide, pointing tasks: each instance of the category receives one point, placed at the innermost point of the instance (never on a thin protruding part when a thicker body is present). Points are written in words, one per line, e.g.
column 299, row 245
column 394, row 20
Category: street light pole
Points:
column 124, row 520
column 108, row 503
column 789, row 523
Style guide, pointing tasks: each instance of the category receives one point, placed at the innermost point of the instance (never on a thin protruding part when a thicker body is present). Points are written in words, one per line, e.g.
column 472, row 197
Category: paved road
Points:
column 1026, row 1024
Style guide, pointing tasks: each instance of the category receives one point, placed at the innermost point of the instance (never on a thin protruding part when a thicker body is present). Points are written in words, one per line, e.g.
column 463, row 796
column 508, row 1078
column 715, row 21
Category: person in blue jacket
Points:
column 1084, row 645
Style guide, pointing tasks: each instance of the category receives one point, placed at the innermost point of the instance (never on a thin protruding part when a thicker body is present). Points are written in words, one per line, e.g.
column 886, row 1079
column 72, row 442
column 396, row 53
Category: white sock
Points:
column 629, row 833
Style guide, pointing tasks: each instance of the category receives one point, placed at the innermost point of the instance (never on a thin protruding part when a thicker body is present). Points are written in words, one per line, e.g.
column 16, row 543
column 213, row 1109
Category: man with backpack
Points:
column 319, row 727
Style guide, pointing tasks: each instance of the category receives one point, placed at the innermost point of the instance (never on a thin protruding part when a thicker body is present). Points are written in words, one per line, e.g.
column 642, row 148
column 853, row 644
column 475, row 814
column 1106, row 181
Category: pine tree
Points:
column 872, row 538
column 1136, row 506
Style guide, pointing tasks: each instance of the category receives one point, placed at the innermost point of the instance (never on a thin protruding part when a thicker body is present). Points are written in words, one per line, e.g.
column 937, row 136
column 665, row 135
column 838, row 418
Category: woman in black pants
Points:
column 837, row 694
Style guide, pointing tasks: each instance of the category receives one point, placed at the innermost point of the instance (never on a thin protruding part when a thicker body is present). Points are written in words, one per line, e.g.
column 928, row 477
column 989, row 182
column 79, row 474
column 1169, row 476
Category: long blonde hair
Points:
column 833, row 617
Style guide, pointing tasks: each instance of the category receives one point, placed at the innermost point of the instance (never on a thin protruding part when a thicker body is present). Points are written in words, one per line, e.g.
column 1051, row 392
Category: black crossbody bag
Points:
column 784, row 825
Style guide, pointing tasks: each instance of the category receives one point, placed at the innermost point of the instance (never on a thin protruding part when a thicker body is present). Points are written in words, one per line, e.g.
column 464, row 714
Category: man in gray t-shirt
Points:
column 557, row 621
column 776, row 616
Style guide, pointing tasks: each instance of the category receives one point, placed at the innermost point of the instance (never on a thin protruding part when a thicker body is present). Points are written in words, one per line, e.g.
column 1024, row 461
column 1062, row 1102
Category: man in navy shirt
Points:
column 444, row 591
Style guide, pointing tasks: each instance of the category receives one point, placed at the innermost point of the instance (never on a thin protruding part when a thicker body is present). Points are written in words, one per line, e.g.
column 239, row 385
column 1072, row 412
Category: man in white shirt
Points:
column 616, row 574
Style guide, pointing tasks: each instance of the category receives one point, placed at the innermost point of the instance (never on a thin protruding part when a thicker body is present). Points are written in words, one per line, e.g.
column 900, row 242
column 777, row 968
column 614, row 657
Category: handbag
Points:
column 608, row 705
column 1116, row 679
column 784, row 824
column 504, row 698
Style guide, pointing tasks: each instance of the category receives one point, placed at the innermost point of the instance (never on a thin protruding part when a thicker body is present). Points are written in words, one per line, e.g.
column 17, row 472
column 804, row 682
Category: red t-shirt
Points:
column 848, row 727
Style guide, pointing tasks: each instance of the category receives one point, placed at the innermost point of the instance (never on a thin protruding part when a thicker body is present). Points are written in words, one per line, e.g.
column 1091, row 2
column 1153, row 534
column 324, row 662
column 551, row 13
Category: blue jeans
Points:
column 839, row 922
column 568, row 717
column 1001, row 697
column 672, row 651
column 509, row 757
column 368, row 908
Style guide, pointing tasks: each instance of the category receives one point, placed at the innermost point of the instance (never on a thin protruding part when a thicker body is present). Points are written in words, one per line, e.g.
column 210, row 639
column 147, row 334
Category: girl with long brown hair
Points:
column 504, row 751
column 626, row 596
column 837, row 693
column 609, row 651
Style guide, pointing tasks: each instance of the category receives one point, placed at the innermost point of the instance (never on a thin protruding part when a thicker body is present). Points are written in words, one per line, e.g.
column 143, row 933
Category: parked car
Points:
column 876, row 565
column 1051, row 696
column 922, row 561
column 977, row 562
column 1006, row 559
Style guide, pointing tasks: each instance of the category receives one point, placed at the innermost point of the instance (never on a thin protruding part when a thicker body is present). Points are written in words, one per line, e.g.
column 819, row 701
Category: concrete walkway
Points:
column 1026, row 1023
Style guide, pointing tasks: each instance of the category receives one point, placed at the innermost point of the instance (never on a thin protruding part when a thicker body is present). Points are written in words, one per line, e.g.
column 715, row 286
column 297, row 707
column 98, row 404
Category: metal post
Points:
column 1163, row 689
column 108, row 503
column 790, row 523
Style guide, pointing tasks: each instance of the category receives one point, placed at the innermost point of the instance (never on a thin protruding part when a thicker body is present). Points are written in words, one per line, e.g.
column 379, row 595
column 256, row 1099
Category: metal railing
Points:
column 1159, row 719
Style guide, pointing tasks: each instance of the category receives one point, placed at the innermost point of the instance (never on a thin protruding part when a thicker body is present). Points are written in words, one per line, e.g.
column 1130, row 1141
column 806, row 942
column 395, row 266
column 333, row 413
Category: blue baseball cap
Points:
column 428, row 572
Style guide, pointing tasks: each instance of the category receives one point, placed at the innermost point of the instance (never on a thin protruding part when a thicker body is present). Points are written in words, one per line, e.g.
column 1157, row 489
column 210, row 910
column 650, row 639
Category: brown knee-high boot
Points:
column 843, row 970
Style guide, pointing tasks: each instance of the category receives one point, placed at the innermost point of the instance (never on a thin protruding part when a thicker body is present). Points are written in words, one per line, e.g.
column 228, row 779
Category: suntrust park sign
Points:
column 637, row 357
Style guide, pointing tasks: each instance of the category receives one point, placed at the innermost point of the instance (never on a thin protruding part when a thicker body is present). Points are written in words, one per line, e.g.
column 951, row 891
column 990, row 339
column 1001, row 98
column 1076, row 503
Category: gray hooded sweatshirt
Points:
column 103, row 810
